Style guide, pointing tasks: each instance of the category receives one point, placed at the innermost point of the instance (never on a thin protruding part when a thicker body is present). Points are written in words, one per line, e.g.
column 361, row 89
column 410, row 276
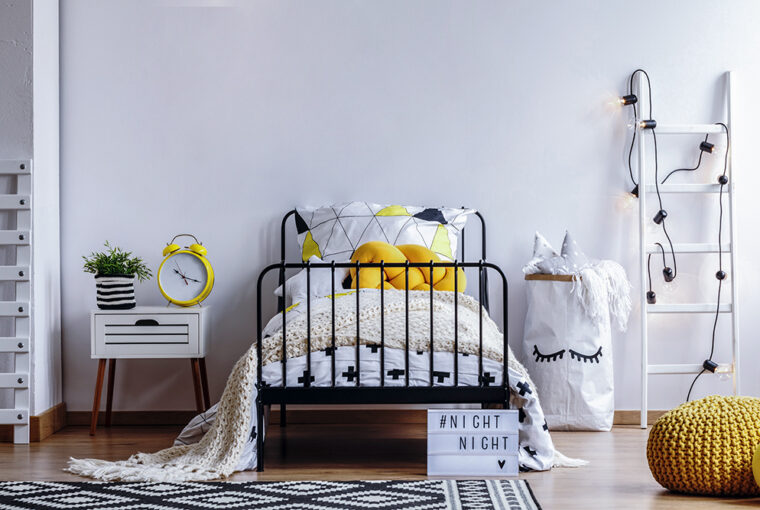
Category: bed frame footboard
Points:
column 486, row 392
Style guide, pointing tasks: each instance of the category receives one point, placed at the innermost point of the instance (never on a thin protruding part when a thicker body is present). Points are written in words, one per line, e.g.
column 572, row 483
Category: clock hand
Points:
column 182, row 276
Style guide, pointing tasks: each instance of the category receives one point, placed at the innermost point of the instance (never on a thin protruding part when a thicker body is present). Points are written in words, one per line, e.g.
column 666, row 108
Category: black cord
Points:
column 633, row 138
column 720, row 256
column 659, row 200
column 649, row 261
column 699, row 162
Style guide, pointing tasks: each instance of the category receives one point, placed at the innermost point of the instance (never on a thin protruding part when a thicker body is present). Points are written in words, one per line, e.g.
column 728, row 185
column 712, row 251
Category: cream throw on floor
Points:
column 217, row 454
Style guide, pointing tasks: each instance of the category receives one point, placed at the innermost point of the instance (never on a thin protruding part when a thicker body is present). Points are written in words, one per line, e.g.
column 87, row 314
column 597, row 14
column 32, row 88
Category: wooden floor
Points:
column 617, row 476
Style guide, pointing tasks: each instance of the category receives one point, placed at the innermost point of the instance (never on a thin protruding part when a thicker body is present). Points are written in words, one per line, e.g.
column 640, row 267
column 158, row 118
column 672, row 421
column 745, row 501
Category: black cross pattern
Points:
column 306, row 377
column 263, row 384
column 329, row 351
column 487, row 378
column 420, row 353
column 441, row 375
column 521, row 415
column 524, row 388
column 530, row 451
column 374, row 347
column 395, row 373
column 546, row 426
column 350, row 373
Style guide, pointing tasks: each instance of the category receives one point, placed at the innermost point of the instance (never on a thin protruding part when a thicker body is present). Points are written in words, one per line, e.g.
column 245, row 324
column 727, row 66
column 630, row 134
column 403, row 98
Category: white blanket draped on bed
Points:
column 228, row 444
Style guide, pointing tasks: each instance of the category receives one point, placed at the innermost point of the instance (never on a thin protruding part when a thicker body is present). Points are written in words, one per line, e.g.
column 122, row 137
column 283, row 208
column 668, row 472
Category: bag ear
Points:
column 170, row 248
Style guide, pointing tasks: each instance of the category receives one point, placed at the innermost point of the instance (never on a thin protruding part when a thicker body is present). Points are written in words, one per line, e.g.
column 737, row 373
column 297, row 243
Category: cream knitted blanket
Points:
column 217, row 454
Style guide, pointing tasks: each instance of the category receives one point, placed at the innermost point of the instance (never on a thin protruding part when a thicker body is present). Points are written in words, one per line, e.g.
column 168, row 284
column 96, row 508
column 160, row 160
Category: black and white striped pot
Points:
column 115, row 291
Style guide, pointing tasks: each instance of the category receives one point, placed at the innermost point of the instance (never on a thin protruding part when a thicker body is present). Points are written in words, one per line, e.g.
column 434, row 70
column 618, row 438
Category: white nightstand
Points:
column 149, row 332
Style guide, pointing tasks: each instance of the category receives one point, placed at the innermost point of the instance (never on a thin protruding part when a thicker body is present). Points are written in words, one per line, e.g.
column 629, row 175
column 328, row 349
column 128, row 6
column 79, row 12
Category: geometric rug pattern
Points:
column 295, row 495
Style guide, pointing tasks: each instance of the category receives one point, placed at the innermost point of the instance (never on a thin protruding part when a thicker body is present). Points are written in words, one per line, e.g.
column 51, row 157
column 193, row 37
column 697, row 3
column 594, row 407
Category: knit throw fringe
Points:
column 214, row 456
column 603, row 288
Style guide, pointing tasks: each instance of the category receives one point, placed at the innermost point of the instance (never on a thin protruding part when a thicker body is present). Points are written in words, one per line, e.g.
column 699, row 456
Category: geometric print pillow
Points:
column 333, row 232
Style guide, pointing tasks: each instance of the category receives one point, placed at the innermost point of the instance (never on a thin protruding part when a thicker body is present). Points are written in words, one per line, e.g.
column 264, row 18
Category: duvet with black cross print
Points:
column 536, row 450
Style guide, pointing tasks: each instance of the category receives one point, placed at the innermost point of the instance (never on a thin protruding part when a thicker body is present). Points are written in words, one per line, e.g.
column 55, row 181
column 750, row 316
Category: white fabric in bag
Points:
column 569, row 357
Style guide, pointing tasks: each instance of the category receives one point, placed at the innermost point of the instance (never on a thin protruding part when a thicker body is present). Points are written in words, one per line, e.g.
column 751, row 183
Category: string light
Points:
column 628, row 99
column 709, row 365
column 669, row 274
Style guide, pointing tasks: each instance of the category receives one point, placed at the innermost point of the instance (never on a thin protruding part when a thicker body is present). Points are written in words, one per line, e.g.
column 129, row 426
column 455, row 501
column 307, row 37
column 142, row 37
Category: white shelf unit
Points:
column 645, row 248
column 19, row 345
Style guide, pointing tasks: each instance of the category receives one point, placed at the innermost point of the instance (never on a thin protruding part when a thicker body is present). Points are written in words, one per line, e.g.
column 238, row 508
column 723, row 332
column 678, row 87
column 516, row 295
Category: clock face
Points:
column 183, row 277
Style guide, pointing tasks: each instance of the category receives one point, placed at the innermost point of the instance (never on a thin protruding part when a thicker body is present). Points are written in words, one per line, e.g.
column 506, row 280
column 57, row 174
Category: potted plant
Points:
column 115, row 271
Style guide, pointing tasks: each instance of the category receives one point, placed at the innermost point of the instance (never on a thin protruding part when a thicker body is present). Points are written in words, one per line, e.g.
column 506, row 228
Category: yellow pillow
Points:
column 394, row 277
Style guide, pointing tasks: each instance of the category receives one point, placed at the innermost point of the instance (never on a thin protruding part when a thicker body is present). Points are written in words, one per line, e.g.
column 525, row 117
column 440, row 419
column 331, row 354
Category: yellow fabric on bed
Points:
column 393, row 277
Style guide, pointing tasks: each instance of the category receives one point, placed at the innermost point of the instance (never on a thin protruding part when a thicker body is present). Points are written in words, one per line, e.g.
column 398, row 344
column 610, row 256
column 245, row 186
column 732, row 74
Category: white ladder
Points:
column 645, row 248
column 19, row 309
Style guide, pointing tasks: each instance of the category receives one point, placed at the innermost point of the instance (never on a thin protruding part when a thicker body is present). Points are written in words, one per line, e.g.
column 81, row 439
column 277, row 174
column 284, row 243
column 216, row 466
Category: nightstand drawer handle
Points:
column 146, row 322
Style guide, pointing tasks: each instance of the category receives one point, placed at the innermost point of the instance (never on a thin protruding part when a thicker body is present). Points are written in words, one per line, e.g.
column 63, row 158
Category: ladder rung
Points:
column 14, row 166
column 11, row 380
column 723, row 368
column 11, row 416
column 14, row 237
column 11, row 344
column 689, row 308
column 693, row 248
column 14, row 202
column 14, row 273
column 686, row 188
column 14, row 309
column 684, row 129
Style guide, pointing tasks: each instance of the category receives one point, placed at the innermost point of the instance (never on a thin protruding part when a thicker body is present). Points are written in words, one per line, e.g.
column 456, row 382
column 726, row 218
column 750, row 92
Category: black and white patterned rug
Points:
column 306, row 495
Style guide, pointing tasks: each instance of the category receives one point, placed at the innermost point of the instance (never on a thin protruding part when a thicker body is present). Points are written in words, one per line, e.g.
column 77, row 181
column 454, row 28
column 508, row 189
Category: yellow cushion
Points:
column 394, row 277
column 706, row 447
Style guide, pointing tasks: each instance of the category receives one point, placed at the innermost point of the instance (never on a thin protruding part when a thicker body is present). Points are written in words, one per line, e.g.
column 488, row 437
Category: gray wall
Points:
column 15, row 133
column 16, row 80
column 29, row 125
column 217, row 117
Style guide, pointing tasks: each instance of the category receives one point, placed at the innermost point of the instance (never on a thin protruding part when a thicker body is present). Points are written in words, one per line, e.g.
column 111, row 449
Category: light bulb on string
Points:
column 723, row 377
column 670, row 288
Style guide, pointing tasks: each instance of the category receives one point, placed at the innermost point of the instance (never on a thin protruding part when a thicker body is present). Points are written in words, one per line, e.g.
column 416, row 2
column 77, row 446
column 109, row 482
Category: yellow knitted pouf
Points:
column 706, row 447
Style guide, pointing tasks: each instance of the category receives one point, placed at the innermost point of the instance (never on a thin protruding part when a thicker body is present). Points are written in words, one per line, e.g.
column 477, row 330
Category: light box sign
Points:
column 470, row 442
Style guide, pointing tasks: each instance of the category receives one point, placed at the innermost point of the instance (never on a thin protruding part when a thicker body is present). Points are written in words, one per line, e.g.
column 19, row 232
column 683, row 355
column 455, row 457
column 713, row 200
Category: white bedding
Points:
column 536, row 448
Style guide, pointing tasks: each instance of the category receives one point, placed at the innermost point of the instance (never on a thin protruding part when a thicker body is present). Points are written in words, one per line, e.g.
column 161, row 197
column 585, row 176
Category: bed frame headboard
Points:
column 483, row 298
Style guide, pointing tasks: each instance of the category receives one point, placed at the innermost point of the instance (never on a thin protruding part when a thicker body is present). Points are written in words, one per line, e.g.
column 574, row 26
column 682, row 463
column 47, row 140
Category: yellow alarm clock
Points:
column 185, row 276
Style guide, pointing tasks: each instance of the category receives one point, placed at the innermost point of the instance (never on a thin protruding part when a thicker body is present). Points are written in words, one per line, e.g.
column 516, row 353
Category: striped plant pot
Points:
column 115, row 291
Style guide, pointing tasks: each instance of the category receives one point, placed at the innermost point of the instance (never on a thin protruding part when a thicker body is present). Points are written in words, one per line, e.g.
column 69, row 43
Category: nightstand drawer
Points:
column 146, row 335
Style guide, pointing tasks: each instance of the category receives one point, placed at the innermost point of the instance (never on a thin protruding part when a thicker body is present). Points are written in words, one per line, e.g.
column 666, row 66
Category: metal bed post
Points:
column 259, row 386
column 432, row 348
column 456, row 324
column 281, row 306
column 382, row 324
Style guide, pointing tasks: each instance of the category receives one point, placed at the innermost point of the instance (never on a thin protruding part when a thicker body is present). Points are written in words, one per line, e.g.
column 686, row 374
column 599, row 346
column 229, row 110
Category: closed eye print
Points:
column 547, row 357
column 586, row 357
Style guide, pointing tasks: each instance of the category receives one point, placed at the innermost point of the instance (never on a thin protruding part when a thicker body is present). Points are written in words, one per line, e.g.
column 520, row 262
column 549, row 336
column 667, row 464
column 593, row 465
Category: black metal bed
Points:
column 484, row 393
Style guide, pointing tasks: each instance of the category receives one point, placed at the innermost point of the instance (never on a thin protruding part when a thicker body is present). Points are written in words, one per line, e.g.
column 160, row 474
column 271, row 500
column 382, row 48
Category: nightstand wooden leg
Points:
column 195, row 366
column 109, row 393
column 204, row 384
column 96, row 399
